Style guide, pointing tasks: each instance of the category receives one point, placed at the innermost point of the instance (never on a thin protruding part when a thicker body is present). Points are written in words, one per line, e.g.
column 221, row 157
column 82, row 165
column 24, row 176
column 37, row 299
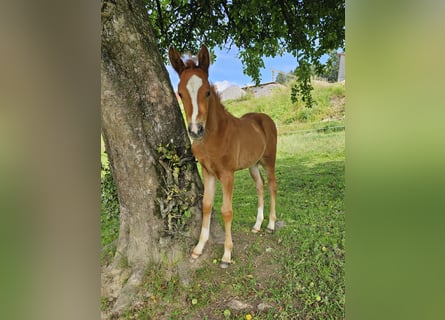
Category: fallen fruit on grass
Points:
column 227, row 313
column 194, row 301
column 248, row 317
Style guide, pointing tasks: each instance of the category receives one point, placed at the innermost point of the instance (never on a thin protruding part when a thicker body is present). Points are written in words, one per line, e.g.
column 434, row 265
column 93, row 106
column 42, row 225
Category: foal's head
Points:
column 194, row 89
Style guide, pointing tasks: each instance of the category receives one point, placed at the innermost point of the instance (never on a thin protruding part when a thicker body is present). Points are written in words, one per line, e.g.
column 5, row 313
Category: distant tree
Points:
column 282, row 78
column 330, row 71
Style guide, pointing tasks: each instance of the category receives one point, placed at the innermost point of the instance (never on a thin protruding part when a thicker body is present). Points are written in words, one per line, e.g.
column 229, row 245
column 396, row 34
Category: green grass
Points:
column 280, row 108
column 308, row 253
column 299, row 270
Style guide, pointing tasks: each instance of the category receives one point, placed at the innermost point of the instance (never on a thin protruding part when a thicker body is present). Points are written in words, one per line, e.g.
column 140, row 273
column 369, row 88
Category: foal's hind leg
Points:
column 259, row 184
column 272, row 185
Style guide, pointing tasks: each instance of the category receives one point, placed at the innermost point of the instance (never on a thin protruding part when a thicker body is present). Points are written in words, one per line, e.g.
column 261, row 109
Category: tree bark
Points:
column 143, row 130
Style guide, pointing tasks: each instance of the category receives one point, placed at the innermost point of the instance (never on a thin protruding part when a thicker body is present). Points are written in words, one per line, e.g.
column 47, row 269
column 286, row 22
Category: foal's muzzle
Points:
column 196, row 131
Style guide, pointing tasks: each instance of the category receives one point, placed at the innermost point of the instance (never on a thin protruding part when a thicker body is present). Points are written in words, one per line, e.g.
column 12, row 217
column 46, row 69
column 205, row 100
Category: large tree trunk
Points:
column 149, row 152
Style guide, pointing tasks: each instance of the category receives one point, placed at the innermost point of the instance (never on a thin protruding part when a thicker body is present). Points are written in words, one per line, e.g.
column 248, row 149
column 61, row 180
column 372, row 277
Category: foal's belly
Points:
column 249, row 159
column 250, row 148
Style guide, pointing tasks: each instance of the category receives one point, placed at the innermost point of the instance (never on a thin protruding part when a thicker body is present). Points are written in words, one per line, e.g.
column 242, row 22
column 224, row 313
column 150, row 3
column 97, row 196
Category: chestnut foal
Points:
column 223, row 144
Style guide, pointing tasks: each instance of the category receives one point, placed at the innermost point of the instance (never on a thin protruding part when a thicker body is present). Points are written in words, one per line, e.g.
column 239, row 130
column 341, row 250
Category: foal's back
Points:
column 247, row 140
column 265, row 123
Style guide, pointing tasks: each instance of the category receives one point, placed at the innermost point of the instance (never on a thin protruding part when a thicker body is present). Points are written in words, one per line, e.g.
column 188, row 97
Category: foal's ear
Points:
column 204, row 59
column 176, row 60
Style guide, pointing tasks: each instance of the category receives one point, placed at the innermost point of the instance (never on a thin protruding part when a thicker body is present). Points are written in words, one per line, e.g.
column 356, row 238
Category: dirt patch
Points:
column 252, row 271
column 337, row 110
column 210, row 290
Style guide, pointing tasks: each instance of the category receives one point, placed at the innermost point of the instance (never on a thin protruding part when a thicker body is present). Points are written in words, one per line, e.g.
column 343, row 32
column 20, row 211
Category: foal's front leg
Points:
column 227, row 214
column 207, row 203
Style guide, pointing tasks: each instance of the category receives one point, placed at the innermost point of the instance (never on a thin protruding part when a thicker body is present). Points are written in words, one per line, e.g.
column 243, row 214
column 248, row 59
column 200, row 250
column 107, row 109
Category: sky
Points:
column 228, row 70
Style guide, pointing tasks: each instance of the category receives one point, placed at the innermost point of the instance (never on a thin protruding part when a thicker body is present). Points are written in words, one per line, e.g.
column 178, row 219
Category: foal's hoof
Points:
column 268, row 230
column 224, row 265
column 193, row 258
column 255, row 230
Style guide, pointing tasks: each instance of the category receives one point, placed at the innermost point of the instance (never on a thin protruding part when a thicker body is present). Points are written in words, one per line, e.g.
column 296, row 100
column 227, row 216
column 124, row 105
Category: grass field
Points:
column 296, row 272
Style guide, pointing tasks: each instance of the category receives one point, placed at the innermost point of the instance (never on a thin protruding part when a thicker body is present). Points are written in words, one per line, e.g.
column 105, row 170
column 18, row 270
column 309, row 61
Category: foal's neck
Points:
column 217, row 114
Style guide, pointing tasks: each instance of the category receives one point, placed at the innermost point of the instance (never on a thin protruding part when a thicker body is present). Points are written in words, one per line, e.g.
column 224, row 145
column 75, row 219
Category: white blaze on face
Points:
column 193, row 86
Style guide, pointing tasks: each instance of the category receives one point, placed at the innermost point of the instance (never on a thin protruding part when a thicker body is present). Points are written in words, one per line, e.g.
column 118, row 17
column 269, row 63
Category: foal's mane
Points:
column 190, row 64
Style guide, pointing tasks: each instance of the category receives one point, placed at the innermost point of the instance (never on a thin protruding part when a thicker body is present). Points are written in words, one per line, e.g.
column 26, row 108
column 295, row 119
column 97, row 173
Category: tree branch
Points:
column 160, row 17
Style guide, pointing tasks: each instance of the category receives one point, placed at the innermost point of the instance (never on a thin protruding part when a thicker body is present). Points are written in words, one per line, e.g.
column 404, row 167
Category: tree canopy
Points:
column 308, row 29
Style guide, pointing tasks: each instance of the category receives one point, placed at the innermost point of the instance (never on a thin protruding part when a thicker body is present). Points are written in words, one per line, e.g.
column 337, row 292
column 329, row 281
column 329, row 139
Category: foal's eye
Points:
column 180, row 95
column 208, row 93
